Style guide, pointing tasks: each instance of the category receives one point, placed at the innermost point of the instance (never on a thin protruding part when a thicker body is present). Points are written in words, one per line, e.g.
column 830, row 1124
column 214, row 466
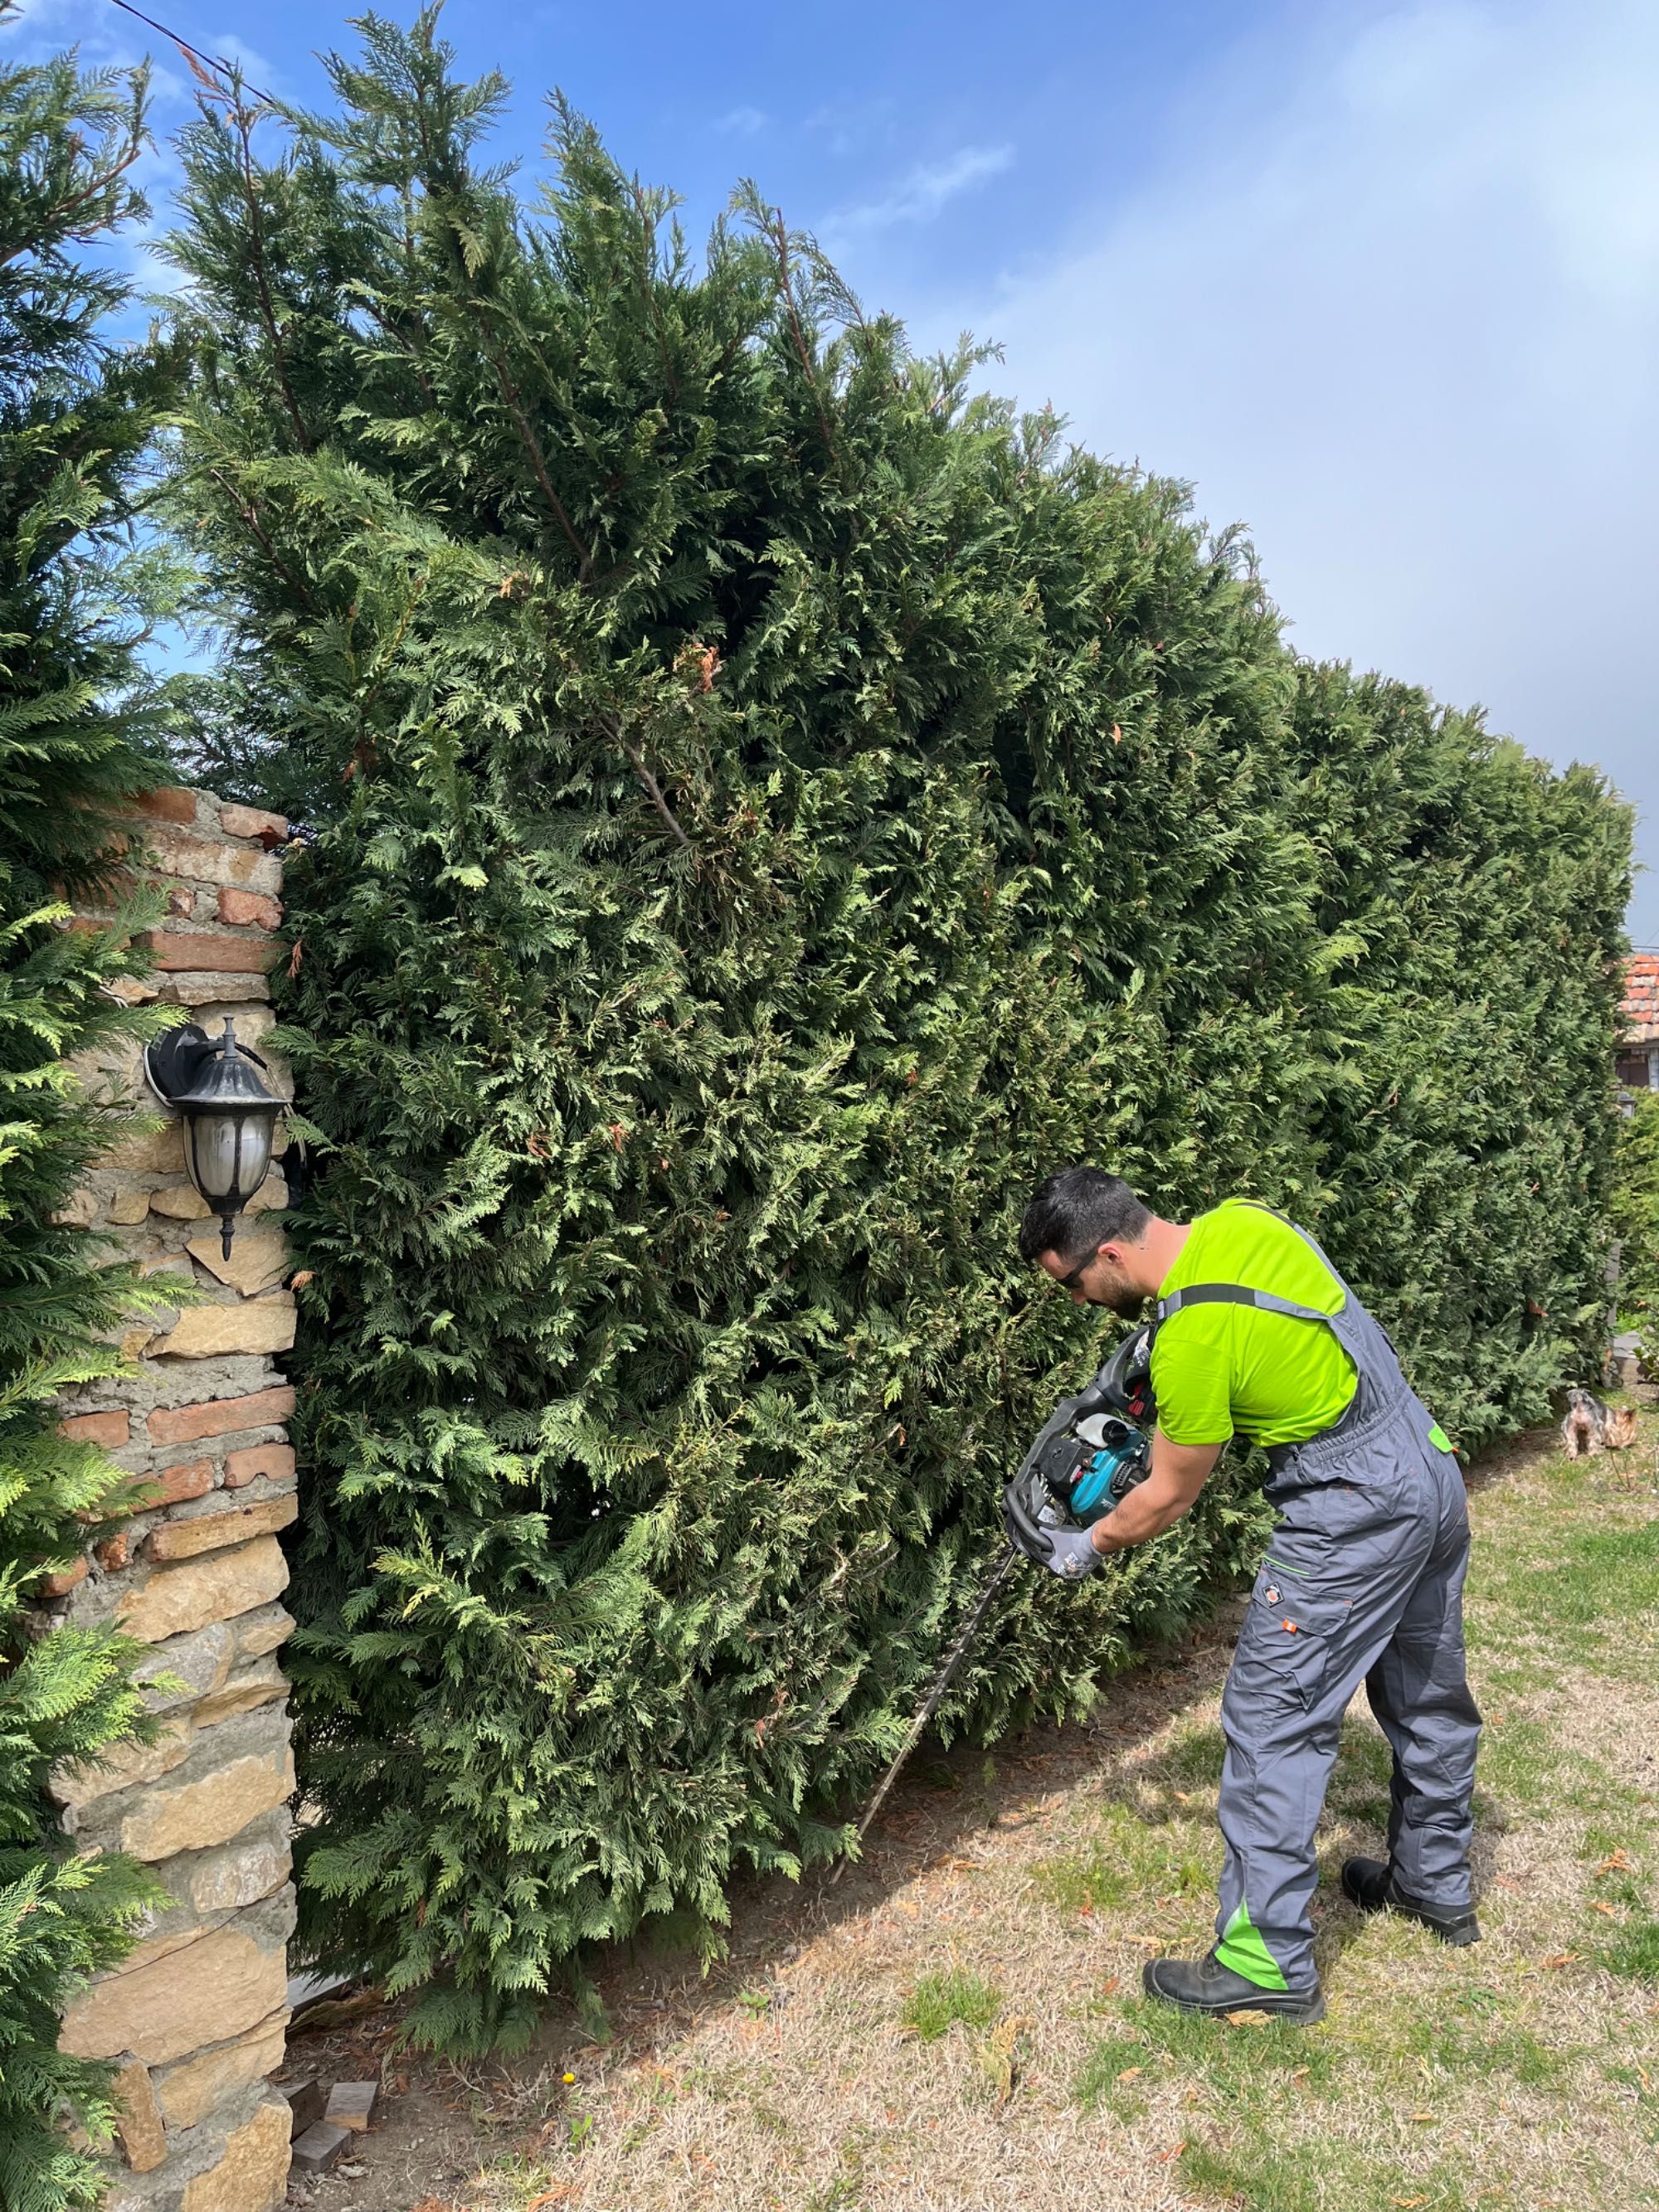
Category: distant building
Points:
column 1638, row 1046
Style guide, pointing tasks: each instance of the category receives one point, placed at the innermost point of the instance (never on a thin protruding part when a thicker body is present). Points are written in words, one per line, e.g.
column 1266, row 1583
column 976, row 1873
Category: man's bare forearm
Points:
column 1179, row 1473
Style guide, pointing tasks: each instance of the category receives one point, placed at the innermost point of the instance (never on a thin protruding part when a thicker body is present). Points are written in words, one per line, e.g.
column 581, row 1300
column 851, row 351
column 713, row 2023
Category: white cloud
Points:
column 42, row 23
column 847, row 127
column 741, row 122
column 919, row 196
column 257, row 73
column 1393, row 298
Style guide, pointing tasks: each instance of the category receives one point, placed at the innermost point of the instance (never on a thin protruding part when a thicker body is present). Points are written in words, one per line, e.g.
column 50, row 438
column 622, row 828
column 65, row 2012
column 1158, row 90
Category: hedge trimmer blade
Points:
column 1086, row 1457
column 941, row 1683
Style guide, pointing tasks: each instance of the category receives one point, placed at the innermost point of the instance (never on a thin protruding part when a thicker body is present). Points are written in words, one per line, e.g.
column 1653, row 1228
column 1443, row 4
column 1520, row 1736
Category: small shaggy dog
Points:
column 1590, row 1426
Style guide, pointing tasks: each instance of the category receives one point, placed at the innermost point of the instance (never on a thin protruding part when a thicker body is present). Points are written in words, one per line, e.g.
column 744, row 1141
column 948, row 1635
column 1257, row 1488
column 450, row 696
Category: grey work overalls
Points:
column 1363, row 1580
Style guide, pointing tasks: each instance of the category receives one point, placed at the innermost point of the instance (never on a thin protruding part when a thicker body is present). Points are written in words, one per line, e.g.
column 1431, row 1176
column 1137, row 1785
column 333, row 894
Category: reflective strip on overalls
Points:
column 1363, row 1581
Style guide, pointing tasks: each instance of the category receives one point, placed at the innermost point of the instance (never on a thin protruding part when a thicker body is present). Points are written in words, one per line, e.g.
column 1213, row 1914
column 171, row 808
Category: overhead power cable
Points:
column 208, row 61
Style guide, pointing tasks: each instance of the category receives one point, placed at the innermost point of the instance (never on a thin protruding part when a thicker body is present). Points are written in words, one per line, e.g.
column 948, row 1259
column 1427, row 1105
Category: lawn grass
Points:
column 959, row 2028
column 1634, row 1951
column 1158, row 2048
column 1134, row 1854
column 1583, row 1586
column 1256, row 2167
column 1488, row 2040
column 941, row 2001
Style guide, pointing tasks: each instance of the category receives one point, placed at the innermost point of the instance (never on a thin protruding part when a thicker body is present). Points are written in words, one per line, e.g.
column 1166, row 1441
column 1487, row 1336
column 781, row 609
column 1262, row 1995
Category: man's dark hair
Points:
column 1074, row 1211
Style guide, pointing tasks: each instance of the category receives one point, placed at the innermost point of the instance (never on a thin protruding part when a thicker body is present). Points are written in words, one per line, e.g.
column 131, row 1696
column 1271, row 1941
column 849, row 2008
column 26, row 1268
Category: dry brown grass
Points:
column 1521, row 2074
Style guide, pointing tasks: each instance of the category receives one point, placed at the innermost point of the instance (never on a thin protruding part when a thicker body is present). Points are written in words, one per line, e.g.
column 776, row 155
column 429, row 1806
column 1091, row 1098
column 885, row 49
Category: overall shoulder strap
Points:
column 1236, row 1294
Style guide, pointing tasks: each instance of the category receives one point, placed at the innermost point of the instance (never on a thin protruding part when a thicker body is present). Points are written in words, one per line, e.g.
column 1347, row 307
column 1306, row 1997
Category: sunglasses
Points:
column 1073, row 1281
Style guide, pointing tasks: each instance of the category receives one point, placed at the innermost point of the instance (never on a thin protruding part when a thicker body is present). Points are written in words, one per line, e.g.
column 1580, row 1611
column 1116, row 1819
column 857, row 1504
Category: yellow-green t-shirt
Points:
column 1218, row 1370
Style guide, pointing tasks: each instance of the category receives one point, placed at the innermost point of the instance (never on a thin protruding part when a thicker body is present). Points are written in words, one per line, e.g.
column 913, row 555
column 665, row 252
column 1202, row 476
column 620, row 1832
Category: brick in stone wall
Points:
column 214, row 1416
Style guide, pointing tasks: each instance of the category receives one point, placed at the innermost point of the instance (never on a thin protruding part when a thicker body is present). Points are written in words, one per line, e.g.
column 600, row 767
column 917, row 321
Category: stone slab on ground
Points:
column 305, row 1991
column 351, row 2104
column 316, row 2150
column 306, row 2101
column 1629, row 1359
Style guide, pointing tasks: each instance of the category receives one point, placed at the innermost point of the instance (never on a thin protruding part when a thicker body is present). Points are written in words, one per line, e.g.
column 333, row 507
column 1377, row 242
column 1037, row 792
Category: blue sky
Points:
column 1383, row 282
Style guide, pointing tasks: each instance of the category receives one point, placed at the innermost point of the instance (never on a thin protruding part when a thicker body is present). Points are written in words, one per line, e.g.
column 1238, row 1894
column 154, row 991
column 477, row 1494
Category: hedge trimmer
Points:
column 1093, row 1449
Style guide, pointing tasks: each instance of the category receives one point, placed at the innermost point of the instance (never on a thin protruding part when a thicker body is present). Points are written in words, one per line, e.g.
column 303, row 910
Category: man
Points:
column 1257, row 1335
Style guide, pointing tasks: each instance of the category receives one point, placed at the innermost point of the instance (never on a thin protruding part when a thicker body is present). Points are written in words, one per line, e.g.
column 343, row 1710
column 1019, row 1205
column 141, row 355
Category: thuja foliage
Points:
column 1468, row 909
column 1635, row 1218
column 77, row 731
column 771, row 804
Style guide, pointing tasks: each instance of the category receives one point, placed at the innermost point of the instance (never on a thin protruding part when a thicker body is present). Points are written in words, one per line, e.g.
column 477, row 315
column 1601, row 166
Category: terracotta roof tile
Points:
column 1641, row 1003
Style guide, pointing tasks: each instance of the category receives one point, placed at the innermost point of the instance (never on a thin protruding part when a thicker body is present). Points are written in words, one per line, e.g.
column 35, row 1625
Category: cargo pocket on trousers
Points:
column 1285, row 1650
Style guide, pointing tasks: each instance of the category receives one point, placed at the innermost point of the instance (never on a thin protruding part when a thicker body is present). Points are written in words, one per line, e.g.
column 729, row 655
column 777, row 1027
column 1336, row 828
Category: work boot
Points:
column 1373, row 1885
column 1205, row 1985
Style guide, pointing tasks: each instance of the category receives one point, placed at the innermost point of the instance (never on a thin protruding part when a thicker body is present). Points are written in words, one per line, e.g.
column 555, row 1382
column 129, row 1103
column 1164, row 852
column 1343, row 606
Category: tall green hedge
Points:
column 771, row 804
column 79, row 728
column 1468, row 916
column 1636, row 1220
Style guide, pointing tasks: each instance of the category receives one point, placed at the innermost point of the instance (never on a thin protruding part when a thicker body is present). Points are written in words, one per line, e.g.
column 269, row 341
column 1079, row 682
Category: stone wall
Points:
column 196, row 2016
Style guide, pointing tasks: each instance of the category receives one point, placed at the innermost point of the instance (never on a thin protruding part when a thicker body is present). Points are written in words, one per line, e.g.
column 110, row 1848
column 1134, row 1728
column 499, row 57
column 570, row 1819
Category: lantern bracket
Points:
column 174, row 1061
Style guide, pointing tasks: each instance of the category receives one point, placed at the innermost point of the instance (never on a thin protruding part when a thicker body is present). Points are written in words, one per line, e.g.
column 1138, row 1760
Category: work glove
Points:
column 1072, row 1553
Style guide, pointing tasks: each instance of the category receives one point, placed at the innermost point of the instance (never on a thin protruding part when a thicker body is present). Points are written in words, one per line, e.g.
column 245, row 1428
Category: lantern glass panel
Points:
column 257, row 1132
column 229, row 1153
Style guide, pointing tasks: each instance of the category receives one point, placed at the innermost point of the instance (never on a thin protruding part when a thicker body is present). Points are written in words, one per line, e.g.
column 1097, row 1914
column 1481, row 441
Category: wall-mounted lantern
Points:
column 229, row 1116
